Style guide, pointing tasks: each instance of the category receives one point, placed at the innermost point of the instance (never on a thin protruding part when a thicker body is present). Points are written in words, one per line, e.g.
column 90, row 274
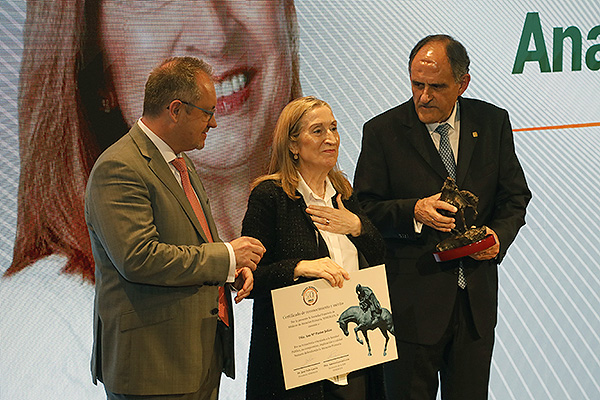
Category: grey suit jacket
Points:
column 156, row 301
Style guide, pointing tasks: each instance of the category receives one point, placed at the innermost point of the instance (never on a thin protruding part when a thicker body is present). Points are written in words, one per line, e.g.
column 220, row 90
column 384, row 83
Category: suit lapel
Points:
column 203, row 197
column 420, row 138
column 467, row 141
column 159, row 167
column 322, row 248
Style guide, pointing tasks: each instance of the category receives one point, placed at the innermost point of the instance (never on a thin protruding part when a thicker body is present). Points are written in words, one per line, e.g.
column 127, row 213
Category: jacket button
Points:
column 214, row 311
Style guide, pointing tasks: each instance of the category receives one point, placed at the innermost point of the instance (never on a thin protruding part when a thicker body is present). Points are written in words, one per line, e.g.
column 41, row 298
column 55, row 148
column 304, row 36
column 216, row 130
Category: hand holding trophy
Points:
column 464, row 240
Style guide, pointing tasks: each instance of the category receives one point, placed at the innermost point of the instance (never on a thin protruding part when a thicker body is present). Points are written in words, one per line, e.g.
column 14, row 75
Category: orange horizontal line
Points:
column 541, row 128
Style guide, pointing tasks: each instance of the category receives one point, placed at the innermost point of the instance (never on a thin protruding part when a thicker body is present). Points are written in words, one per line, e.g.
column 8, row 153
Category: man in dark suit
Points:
column 444, row 313
column 159, row 328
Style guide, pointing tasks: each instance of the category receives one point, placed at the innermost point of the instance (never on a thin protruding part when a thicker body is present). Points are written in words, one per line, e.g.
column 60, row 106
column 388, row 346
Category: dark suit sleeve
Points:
column 512, row 193
column 261, row 222
column 372, row 181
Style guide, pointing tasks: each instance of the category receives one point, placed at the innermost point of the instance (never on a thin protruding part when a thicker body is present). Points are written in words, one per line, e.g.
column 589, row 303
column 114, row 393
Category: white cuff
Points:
column 231, row 276
column 418, row 226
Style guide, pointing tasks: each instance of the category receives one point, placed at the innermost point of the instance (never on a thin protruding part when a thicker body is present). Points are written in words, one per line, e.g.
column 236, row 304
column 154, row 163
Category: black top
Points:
column 288, row 234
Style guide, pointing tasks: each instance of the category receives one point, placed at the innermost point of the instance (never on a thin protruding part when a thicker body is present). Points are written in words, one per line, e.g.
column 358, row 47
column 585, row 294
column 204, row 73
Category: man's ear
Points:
column 175, row 108
column 464, row 84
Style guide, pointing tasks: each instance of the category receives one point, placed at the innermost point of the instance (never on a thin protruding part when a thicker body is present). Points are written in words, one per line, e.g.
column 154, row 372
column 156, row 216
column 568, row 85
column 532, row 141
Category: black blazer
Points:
column 398, row 165
column 289, row 235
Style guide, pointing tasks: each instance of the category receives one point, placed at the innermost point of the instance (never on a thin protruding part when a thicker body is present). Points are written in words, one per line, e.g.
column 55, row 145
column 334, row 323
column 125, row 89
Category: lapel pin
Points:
column 474, row 133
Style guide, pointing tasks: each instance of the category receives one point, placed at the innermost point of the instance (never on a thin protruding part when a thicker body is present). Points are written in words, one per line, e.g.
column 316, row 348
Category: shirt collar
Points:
column 452, row 119
column 166, row 150
column 309, row 195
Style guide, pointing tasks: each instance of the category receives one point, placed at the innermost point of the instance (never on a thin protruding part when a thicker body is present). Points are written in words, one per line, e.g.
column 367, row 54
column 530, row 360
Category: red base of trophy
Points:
column 452, row 254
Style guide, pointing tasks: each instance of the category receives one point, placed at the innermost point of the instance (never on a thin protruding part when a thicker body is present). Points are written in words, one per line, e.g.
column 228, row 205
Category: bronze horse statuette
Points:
column 364, row 323
column 462, row 200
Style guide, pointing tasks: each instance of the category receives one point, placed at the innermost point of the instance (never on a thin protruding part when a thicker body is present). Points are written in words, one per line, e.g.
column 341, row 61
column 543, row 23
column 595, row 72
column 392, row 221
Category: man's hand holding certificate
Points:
column 326, row 331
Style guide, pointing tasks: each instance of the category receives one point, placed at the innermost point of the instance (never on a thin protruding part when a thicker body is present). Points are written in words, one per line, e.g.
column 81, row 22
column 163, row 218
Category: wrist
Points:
column 357, row 227
column 297, row 270
column 417, row 208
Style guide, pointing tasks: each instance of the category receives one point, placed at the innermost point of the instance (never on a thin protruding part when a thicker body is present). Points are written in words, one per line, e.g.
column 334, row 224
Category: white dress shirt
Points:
column 341, row 250
column 453, row 136
column 453, row 133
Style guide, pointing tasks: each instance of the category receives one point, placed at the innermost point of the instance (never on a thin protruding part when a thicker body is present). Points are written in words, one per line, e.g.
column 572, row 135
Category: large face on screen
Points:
column 434, row 88
column 247, row 43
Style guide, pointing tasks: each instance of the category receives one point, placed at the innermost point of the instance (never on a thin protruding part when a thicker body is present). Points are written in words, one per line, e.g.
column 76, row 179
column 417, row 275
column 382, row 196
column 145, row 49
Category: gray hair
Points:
column 456, row 52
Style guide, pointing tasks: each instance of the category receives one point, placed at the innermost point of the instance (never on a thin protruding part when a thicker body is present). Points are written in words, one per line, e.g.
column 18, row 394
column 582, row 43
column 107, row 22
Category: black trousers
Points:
column 461, row 358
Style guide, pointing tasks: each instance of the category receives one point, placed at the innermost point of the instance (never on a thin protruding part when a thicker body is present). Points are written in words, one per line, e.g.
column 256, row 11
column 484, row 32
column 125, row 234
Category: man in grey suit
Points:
column 159, row 328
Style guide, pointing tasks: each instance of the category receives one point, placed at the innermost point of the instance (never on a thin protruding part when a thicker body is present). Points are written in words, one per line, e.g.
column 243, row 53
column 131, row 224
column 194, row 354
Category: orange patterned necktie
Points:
column 179, row 164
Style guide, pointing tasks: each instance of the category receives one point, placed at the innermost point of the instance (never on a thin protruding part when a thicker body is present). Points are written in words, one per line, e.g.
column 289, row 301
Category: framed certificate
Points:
column 327, row 331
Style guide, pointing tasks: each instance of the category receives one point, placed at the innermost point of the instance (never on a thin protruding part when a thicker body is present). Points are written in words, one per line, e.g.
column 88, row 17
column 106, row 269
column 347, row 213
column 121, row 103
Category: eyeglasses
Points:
column 208, row 112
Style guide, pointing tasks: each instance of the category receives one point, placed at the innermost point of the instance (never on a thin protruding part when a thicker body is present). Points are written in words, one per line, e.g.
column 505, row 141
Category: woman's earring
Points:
column 295, row 156
column 109, row 102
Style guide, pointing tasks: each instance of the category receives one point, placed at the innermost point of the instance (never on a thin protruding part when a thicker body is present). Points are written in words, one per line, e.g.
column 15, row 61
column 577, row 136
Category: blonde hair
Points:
column 283, row 169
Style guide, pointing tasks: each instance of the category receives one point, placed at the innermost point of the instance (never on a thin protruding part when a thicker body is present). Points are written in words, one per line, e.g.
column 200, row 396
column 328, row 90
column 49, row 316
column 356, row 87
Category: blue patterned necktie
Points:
column 447, row 156
column 446, row 150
